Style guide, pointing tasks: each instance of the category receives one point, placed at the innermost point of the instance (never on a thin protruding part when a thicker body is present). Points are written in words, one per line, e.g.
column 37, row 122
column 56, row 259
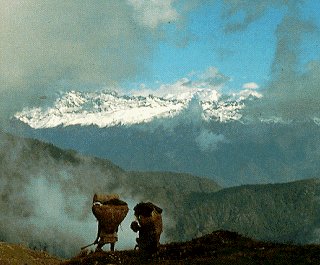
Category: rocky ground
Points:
column 220, row 247
column 12, row 254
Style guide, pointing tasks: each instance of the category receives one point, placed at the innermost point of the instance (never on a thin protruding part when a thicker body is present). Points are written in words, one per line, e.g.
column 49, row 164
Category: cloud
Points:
column 213, row 77
column 250, row 11
column 251, row 85
column 210, row 80
column 152, row 13
column 51, row 46
column 293, row 92
column 208, row 141
column 67, row 215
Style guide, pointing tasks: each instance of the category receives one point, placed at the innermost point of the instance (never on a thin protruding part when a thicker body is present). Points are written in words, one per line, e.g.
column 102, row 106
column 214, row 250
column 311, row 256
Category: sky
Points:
column 47, row 47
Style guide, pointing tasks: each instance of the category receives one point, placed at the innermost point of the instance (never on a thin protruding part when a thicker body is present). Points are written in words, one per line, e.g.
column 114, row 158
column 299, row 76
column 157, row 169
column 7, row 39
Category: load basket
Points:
column 157, row 220
column 152, row 214
column 111, row 213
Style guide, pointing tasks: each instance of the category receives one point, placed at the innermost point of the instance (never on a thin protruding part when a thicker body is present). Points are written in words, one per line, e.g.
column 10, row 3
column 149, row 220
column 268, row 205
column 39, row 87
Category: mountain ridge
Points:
column 108, row 108
column 217, row 247
column 281, row 212
column 231, row 153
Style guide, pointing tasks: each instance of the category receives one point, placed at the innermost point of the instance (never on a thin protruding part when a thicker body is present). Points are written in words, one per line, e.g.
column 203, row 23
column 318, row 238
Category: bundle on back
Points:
column 109, row 210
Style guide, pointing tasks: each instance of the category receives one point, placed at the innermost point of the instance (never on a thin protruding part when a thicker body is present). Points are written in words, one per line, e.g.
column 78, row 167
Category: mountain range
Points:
column 111, row 108
column 191, row 130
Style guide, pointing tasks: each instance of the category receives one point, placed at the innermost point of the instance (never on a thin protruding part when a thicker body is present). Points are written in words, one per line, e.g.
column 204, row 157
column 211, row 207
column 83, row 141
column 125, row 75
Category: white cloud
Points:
column 250, row 85
column 152, row 13
column 208, row 83
column 316, row 120
column 208, row 141
column 210, row 73
column 199, row 96
column 48, row 46
column 214, row 77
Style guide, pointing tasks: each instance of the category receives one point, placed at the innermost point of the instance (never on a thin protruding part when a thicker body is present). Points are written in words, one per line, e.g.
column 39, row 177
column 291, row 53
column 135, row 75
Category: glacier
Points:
column 107, row 108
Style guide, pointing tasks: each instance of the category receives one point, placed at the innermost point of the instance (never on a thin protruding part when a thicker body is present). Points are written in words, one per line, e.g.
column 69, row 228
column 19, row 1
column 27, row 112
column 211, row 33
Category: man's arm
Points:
column 98, row 234
column 135, row 226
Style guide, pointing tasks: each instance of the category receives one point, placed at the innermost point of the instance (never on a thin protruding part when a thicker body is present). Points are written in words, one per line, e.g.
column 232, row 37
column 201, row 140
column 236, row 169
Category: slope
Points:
column 19, row 255
column 219, row 247
column 46, row 194
column 287, row 212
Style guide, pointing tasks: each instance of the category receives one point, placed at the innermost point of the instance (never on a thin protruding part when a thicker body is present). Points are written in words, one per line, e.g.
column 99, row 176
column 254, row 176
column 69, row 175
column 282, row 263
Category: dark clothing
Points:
column 149, row 226
column 147, row 241
column 106, row 237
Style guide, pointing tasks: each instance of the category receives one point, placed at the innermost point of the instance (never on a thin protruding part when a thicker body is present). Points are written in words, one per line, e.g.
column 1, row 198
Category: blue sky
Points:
column 245, row 55
column 49, row 47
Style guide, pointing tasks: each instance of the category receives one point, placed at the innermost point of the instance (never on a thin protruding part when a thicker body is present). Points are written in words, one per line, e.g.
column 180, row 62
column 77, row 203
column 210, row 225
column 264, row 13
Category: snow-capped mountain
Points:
column 109, row 108
column 180, row 127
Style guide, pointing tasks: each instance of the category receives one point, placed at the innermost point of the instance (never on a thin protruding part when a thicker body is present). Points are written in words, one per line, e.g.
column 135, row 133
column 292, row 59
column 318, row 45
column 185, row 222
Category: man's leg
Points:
column 99, row 246
column 111, row 246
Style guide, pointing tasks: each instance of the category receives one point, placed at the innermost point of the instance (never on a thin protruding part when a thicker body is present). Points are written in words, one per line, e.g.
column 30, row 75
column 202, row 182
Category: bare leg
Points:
column 99, row 247
column 111, row 246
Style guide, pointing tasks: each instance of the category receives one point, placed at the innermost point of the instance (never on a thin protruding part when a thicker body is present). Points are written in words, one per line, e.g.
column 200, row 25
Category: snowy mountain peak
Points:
column 109, row 108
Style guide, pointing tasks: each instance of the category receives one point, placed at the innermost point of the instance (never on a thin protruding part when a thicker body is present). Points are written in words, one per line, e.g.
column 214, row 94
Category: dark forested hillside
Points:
column 287, row 212
column 218, row 247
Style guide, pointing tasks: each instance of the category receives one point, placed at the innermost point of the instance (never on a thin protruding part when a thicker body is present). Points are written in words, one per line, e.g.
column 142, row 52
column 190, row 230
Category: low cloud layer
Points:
column 209, row 141
column 46, row 205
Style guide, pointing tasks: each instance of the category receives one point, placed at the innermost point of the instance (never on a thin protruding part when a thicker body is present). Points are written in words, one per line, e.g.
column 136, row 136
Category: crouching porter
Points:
column 149, row 226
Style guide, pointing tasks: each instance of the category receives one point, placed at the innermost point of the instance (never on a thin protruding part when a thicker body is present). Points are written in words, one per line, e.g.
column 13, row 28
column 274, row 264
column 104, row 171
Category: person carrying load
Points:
column 149, row 226
column 110, row 211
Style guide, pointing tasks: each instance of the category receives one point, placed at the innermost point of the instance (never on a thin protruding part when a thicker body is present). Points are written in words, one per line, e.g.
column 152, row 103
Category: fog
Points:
column 46, row 204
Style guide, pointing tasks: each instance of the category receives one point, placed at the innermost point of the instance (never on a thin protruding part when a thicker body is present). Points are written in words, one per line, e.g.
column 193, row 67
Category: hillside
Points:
column 219, row 247
column 51, row 190
column 13, row 254
column 287, row 212
column 231, row 153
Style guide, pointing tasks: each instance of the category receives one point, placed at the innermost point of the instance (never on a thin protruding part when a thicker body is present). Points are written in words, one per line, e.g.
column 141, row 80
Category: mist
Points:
column 46, row 196
column 209, row 141
column 46, row 204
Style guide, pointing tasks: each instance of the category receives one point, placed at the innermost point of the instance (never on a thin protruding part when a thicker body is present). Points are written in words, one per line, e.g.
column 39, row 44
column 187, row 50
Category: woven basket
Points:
column 157, row 220
column 110, row 211
column 104, row 198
